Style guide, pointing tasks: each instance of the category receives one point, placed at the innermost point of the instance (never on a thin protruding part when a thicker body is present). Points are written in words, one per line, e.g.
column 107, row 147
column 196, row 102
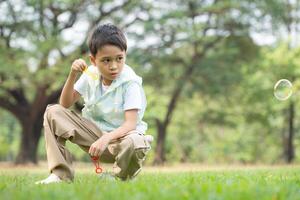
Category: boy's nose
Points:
column 113, row 66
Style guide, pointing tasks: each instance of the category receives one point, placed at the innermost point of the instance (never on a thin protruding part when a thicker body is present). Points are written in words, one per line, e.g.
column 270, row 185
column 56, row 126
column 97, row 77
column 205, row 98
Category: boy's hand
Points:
column 78, row 66
column 98, row 147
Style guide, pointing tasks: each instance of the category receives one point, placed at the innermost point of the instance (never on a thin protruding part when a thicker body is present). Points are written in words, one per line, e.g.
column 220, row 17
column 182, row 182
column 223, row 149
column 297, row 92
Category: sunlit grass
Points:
column 239, row 183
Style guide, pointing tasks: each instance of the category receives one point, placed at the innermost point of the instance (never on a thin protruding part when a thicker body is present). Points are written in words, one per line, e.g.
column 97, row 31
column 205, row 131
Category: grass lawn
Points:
column 255, row 183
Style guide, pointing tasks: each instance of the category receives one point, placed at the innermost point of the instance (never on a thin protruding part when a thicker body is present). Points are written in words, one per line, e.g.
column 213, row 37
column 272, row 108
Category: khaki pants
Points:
column 61, row 124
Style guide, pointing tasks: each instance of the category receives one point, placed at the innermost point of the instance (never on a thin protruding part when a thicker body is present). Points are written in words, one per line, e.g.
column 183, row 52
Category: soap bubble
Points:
column 283, row 89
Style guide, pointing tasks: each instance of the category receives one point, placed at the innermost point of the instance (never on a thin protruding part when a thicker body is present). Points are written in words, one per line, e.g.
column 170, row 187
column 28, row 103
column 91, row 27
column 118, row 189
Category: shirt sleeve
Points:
column 133, row 97
column 81, row 84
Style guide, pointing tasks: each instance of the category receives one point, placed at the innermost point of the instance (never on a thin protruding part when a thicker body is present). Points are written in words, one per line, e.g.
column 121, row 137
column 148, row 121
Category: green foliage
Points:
column 9, row 136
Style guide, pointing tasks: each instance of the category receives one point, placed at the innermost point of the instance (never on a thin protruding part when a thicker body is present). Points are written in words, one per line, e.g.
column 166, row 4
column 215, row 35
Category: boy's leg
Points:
column 130, row 152
column 61, row 124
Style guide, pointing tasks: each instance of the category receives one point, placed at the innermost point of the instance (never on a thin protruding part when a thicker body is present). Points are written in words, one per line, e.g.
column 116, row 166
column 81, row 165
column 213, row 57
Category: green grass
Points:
column 254, row 184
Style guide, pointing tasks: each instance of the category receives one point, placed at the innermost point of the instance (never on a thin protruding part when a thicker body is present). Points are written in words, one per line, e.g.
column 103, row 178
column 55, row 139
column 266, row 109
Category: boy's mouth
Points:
column 114, row 74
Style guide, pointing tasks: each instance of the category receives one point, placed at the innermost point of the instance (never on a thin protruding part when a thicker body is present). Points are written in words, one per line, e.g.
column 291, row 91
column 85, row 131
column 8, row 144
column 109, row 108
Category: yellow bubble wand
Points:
column 93, row 75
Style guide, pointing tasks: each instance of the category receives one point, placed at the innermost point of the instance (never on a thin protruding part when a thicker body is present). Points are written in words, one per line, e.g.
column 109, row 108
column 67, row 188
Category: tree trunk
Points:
column 160, row 145
column 31, row 133
column 289, row 152
column 162, row 126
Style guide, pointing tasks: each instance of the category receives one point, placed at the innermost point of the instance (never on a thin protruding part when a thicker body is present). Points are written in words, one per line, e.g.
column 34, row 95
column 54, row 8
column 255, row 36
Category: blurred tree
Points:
column 187, row 37
column 285, row 16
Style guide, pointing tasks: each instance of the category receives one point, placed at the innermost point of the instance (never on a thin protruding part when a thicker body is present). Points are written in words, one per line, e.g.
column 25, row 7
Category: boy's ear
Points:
column 92, row 59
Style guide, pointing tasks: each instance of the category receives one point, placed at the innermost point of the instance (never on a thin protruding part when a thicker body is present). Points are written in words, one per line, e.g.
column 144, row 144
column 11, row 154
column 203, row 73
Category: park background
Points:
column 208, row 68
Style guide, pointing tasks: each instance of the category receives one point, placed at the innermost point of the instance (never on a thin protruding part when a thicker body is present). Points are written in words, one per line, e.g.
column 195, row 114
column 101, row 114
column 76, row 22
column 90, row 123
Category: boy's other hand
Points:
column 78, row 66
column 98, row 147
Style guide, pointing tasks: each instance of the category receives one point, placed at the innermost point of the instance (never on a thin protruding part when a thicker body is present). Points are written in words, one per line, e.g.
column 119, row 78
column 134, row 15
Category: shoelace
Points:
column 96, row 161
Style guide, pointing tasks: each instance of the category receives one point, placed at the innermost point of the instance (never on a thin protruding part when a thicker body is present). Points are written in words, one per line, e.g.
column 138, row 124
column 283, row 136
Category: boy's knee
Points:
column 53, row 109
column 136, row 151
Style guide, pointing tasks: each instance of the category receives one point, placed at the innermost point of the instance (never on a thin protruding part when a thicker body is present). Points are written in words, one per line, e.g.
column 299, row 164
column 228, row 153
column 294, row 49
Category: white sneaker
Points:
column 51, row 179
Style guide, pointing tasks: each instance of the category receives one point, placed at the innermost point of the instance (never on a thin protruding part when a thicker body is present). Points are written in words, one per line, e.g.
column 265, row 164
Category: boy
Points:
column 111, row 124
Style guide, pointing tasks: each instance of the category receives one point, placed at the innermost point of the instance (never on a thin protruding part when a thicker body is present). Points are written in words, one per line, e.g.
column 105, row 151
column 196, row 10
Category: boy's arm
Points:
column 129, row 124
column 68, row 95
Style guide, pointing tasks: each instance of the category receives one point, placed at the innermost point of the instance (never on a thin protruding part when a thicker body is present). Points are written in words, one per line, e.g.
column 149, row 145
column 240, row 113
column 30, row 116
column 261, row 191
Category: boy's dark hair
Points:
column 106, row 34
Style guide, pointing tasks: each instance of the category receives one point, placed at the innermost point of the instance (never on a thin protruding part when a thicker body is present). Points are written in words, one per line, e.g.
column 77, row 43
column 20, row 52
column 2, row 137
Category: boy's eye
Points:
column 119, row 58
column 106, row 60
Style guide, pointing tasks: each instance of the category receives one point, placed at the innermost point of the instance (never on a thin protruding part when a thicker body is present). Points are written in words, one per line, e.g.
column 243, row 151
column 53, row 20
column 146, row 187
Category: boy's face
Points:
column 110, row 61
